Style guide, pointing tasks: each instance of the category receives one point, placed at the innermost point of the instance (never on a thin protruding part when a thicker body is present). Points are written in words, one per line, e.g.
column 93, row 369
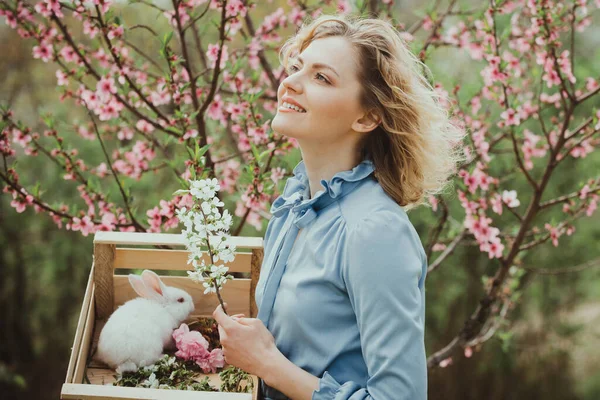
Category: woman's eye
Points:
column 293, row 68
column 324, row 79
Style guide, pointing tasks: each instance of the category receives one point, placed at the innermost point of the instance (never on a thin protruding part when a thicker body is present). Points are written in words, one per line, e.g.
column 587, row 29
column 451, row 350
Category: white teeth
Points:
column 293, row 107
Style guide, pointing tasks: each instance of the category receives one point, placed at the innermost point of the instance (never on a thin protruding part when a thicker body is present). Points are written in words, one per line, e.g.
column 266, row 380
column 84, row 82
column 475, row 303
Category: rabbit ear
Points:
column 153, row 282
column 139, row 286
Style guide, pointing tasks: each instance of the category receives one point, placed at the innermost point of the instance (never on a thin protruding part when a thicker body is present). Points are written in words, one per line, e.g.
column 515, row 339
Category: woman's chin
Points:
column 283, row 127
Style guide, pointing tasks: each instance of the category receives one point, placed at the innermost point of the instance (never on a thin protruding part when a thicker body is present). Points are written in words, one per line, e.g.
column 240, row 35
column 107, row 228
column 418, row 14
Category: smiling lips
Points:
column 288, row 104
column 291, row 107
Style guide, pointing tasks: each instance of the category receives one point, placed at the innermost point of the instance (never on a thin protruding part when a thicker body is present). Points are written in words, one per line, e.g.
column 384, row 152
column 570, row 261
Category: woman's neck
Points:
column 323, row 164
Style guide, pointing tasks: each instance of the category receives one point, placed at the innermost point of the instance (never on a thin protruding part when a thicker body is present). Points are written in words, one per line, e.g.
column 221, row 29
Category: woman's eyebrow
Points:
column 319, row 65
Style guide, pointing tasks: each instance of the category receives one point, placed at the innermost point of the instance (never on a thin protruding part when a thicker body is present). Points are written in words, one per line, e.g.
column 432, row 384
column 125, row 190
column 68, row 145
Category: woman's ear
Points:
column 367, row 122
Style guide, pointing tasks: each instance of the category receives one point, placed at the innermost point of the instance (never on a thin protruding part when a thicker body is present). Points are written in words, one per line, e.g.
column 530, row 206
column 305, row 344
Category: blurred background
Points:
column 548, row 349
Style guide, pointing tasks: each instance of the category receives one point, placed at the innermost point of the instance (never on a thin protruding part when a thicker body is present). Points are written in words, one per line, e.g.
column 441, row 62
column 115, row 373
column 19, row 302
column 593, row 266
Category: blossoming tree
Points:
column 205, row 73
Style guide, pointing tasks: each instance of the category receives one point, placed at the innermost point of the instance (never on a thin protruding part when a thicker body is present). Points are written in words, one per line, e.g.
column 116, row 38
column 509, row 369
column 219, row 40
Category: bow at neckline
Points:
column 296, row 193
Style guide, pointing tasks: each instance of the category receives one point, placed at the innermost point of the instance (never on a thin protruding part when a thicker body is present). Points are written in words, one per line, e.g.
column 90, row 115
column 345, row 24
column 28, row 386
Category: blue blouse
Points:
column 341, row 288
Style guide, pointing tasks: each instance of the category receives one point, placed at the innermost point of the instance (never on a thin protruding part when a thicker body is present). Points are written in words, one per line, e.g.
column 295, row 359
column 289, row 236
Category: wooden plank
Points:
column 255, row 265
column 104, row 259
column 234, row 293
column 171, row 260
column 95, row 338
column 107, row 392
column 85, row 342
column 83, row 314
column 168, row 239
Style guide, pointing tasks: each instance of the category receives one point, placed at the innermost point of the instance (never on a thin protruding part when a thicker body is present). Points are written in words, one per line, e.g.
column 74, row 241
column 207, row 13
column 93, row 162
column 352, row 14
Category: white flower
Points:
column 218, row 270
column 151, row 382
column 196, row 276
column 209, row 288
column 226, row 220
column 206, row 208
column 216, row 202
column 152, row 367
column 509, row 197
column 206, row 227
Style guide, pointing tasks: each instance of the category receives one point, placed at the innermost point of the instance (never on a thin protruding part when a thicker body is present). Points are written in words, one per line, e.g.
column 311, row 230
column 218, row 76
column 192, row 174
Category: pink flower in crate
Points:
column 191, row 345
column 214, row 360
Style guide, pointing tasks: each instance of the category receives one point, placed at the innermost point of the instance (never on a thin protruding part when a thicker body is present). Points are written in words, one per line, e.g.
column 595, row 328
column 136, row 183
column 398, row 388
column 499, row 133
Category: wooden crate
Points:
column 107, row 290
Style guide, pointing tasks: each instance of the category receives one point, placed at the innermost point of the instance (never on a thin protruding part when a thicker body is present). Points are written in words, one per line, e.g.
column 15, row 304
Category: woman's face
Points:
column 323, row 81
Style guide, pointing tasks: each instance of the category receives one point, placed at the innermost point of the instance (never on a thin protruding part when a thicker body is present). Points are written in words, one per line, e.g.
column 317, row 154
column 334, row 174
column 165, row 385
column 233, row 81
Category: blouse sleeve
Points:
column 384, row 270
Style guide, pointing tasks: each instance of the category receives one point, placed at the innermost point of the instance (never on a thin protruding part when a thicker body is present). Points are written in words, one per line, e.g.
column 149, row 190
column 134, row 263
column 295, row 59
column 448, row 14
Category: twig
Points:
column 557, row 271
column 447, row 251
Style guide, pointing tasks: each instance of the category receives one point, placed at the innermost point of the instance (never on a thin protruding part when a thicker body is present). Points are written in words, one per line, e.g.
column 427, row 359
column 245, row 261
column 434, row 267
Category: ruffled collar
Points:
column 296, row 193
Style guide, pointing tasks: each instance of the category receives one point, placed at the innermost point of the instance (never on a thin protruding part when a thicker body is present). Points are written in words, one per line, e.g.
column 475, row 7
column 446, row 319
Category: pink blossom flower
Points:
column 446, row 362
column 115, row 32
column 496, row 203
column 584, row 192
column 213, row 52
column 190, row 133
column 68, row 53
column 126, row 133
column 144, row 126
column 438, row 247
column 62, row 78
column 110, row 110
column 108, row 222
column 21, row 202
column 235, row 8
column 277, row 174
column 468, row 352
column 511, row 117
column 85, row 225
column 215, row 110
column 89, row 29
column 20, row 137
column 42, row 51
column 106, row 87
column 554, row 234
column 343, row 7
column 47, row 7
column 86, row 133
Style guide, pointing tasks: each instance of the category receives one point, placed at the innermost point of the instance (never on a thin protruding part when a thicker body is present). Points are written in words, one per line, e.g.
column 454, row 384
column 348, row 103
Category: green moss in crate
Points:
column 167, row 373
column 170, row 373
column 232, row 379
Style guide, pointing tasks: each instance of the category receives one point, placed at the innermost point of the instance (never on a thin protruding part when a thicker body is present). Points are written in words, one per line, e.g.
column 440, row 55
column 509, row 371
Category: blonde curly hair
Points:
column 415, row 149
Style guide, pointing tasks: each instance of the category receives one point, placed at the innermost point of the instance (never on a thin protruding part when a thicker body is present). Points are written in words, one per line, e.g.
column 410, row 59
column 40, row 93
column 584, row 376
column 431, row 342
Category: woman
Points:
column 341, row 300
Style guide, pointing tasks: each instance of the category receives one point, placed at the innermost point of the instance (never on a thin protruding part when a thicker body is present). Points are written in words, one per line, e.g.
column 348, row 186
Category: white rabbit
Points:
column 137, row 332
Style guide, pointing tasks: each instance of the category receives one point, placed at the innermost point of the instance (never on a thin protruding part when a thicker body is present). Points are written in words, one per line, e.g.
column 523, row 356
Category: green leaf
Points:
column 183, row 183
column 254, row 151
column 180, row 191
column 48, row 120
column 204, row 149
column 263, row 154
column 167, row 38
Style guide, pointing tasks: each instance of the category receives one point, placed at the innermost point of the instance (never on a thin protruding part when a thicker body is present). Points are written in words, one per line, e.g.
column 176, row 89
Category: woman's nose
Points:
column 292, row 83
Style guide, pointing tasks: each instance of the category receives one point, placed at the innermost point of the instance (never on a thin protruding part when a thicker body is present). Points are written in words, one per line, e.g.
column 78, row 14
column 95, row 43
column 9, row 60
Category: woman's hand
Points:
column 246, row 342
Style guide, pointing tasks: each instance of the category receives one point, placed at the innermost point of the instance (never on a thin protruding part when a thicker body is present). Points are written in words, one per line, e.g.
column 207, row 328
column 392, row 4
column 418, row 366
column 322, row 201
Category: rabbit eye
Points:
column 180, row 299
